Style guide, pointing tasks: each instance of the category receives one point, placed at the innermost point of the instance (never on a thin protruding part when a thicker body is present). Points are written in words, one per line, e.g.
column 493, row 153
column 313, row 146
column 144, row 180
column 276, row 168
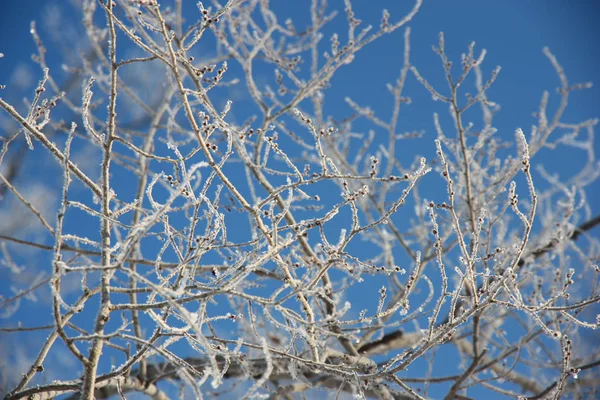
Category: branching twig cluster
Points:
column 275, row 251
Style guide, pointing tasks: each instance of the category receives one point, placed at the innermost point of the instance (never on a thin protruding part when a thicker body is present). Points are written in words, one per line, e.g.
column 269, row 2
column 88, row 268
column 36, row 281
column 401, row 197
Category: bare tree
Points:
column 201, row 248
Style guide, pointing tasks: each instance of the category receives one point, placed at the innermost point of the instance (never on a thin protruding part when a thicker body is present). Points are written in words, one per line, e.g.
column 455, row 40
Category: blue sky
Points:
column 512, row 31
